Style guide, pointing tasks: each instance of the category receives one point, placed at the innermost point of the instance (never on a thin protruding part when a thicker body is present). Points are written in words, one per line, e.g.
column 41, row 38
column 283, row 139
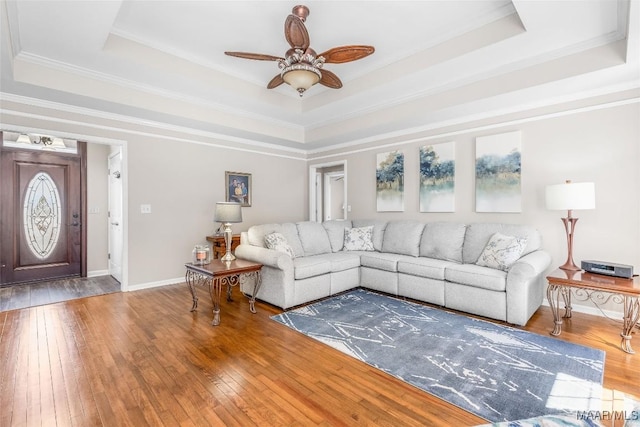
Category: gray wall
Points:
column 601, row 145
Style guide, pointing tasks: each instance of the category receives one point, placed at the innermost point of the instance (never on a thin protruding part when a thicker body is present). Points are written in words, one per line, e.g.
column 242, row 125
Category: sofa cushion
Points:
column 502, row 251
column 310, row 266
column 256, row 233
column 443, row 240
column 478, row 234
column 342, row 261
column 290, row 232
column 424, row 267
column 277, row 242
column 335, row 230
column 479, row 277
column 314, row 238
column 358, row 239
column 378, row 230
column 382, row 260
column 403, row 237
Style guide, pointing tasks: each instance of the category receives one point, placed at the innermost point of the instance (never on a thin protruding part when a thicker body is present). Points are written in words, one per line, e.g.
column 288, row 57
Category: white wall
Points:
column 601, row 145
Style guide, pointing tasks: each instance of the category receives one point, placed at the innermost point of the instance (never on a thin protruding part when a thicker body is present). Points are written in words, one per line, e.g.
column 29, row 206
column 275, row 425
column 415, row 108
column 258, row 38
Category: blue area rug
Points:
column 496, row 372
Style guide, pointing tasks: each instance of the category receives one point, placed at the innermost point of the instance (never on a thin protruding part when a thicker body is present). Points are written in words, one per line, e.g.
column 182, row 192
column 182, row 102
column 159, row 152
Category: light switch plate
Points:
column 145, row 209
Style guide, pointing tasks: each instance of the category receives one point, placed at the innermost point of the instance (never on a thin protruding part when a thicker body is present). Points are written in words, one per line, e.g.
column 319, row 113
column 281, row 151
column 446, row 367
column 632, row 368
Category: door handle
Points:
column 115, row 223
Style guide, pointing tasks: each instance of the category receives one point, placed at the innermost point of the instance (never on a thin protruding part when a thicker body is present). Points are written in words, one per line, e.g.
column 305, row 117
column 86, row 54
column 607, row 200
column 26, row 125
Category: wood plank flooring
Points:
column 48, row 292
column 142, row 359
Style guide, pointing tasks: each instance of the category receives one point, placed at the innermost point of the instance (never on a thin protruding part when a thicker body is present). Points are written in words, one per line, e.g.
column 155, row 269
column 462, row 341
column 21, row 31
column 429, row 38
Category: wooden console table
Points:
column 218, row 273
column 219, row 247
column 599, row 289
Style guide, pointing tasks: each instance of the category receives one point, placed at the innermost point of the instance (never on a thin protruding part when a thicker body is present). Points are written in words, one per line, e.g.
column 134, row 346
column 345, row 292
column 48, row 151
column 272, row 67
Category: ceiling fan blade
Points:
column 342, row 54
column 296, row 33
column 330, row 80
column 257, row 56
column 275, row 82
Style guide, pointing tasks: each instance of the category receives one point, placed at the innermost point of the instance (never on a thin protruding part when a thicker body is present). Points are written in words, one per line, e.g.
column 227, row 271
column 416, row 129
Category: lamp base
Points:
column 228, row 257
column 569, row 227
column 228, row 237
column 569, row 266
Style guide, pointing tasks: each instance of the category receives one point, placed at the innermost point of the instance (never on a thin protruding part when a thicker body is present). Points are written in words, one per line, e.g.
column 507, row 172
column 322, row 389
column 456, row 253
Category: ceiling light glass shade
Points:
column 301, row 80
column 570, row 196
column 55, row 144
column 228, row 212
column 23, row 139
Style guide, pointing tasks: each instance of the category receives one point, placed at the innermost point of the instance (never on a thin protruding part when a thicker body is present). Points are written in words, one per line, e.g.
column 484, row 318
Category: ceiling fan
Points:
column 302, row 67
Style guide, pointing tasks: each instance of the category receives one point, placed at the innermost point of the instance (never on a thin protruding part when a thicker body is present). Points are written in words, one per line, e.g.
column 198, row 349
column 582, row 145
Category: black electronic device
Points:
column 607, row 268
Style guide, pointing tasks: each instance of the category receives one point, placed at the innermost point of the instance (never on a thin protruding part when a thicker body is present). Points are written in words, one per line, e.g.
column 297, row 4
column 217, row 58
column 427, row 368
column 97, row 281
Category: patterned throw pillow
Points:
column 358, row 239
column 276, row 241
column 502, row 251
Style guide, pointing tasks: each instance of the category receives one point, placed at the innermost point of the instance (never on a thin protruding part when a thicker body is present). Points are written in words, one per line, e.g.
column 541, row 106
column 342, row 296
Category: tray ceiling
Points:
column 435, row 62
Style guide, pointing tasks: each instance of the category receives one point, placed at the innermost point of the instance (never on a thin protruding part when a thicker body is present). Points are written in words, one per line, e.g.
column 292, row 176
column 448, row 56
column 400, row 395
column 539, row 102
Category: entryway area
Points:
column 58, row 240
column 50, row 292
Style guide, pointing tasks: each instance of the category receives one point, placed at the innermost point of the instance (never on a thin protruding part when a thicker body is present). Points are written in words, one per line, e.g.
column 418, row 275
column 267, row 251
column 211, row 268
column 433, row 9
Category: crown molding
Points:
column 146, row 123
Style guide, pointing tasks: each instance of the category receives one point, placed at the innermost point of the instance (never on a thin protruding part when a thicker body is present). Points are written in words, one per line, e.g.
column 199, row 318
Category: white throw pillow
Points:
column 276, row 241
column 502, row 251
column 358, row 239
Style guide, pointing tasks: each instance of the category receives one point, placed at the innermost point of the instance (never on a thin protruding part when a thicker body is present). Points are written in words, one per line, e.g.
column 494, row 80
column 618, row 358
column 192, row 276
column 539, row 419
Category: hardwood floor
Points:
column 48, row 292
column 141, row 358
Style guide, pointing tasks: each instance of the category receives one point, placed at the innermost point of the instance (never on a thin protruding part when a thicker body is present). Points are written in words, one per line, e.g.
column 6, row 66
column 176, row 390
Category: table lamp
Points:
column 228, row 213
column 570, row 196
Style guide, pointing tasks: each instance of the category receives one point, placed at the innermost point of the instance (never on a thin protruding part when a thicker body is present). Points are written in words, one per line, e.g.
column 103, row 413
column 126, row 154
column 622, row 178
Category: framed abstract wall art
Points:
column 238, row 187
column 390, row 181
column 498, row 173
column 437, row 177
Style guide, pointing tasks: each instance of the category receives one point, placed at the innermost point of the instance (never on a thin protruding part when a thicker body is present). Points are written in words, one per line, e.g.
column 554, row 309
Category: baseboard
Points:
column 611, row 314
column 157, row 284
column 96, row 273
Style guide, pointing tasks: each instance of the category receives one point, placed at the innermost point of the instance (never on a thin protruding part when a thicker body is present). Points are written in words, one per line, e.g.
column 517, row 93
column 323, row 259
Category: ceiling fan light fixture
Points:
column 301, row 77
column 301, row 69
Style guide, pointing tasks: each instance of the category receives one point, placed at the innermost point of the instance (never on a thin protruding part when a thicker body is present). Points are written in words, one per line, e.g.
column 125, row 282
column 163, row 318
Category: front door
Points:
column 42, row 216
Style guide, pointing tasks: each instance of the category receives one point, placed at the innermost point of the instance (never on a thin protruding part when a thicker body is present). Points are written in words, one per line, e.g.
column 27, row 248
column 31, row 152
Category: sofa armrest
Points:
column 265, row 256
column 526, row 286
column 530, row 265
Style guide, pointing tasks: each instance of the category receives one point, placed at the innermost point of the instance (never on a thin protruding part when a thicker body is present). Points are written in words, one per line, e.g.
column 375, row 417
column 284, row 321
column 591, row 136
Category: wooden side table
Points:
column 599, row 289
column 219, row 247
column 218, row 273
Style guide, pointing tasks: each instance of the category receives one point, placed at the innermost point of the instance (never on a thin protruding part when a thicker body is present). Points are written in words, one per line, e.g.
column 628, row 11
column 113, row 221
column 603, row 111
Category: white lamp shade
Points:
column 570, row 196
column 228, row 212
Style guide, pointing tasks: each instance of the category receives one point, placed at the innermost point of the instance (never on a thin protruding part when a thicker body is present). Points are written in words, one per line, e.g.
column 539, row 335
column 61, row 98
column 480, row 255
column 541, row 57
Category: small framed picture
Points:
column 238, row 187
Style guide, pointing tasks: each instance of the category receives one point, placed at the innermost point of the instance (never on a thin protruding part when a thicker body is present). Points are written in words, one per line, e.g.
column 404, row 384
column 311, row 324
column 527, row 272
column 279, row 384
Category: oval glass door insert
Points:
column 42, row 215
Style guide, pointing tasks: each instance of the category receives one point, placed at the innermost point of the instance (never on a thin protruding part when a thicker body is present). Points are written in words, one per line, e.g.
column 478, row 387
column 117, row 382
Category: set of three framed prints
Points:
column 497, row 176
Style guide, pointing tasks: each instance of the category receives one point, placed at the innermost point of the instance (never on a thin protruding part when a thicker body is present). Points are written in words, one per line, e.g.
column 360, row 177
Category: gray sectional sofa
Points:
column 432, row 262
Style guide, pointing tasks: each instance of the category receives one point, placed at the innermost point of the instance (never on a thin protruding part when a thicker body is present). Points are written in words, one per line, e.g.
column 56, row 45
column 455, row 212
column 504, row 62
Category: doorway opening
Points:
column 328, row 191
column 93, row 217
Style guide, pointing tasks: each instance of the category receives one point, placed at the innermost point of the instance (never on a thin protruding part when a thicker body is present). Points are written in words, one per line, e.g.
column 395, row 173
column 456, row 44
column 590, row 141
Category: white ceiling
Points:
column 436, row 62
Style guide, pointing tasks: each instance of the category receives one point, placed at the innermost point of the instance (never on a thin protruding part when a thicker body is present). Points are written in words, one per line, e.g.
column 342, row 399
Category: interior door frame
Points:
column 313, row 191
